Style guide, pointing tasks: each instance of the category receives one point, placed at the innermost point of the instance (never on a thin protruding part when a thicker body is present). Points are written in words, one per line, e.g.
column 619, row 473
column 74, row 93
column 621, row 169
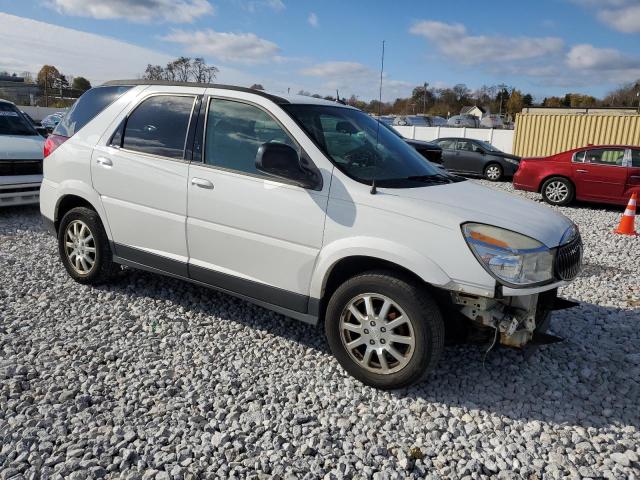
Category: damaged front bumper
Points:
column 517, row 321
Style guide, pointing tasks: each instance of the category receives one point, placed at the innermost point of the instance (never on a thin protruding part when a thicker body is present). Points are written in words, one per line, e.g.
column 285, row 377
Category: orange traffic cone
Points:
column 627, row 222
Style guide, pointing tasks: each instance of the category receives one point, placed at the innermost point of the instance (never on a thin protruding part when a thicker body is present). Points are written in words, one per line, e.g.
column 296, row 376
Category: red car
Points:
column 607, row 174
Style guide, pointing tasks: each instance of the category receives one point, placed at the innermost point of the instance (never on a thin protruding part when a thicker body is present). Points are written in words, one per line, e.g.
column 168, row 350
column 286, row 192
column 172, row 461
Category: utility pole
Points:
column 424, row 99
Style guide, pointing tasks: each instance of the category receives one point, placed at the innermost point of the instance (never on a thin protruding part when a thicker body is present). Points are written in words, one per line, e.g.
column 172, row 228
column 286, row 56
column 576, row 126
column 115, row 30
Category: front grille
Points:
column 569, row 259
column 20, row 167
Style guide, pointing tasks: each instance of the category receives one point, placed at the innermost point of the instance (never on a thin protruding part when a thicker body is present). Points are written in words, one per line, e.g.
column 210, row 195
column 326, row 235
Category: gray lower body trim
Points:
column 287, row 303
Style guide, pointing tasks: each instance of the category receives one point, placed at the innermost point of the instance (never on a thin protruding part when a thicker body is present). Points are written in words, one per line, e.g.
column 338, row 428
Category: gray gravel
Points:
column 153, row 378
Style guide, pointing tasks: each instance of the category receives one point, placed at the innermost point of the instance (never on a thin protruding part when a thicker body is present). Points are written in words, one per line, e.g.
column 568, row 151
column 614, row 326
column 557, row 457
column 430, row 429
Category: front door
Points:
column 141, row 176
column 249, row 233
column 600, row 174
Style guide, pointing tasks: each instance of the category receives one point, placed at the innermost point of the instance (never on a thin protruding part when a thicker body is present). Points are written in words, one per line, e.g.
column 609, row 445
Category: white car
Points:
column 308, row 208
column 20, row 158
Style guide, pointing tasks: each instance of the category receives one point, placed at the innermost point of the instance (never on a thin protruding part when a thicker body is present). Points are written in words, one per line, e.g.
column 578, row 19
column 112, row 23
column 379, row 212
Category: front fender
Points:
column 379, row 248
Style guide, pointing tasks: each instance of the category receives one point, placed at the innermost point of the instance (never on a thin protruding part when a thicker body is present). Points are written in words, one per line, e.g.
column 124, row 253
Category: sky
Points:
column 544, row 47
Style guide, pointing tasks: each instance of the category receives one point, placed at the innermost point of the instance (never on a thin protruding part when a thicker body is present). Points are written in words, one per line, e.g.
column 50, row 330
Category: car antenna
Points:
column 374, row 190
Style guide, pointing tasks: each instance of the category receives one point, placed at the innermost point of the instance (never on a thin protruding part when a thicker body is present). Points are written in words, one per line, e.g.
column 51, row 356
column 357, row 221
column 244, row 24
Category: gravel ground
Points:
column 154, row 378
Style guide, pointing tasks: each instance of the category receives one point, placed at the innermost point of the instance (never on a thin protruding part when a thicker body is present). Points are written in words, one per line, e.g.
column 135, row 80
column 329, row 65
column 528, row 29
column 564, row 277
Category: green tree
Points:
column 515, row 102
column 81, row 83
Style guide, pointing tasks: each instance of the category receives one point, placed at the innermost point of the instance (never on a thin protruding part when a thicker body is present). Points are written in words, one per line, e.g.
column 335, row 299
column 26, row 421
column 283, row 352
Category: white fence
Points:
column 501, row 139
column 38, row 113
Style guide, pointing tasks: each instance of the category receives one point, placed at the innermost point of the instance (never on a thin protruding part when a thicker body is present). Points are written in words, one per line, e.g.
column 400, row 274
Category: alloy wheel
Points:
column 377, row 333
column 80, row 247
column 557, row 191
column 493, row 172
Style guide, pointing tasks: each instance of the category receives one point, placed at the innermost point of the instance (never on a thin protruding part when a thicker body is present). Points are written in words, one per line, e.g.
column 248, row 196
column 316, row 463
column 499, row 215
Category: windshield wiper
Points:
column 434, row 178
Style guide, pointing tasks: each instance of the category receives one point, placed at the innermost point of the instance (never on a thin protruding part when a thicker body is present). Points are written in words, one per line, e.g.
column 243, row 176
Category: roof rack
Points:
column 170, row 83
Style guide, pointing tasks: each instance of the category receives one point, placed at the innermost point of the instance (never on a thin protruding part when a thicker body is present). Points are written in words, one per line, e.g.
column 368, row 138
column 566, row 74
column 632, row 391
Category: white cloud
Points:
column 625, row 19
column 313, row 20
column 253, row 6
column 603, row 60
column 621, row 15
column 173, row 11
column 336, row 69
column 454, row 42
column 76, row 53
column 246, row 48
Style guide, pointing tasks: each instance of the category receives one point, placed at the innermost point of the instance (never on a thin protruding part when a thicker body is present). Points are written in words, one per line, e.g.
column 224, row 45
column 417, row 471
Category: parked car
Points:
column 50, row 122
column 428, row 150
column 420, row 121
column 20, row 157
column 469, row 121
column 475, row 157
column 605, row 173
column 492, row 121
column 387, row 119
column 305, row 207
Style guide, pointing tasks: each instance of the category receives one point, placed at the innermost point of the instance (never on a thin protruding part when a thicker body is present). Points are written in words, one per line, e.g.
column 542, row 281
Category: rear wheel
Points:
column 84, row 247
column 493, row 172
column 558, row 191
column 384, row 329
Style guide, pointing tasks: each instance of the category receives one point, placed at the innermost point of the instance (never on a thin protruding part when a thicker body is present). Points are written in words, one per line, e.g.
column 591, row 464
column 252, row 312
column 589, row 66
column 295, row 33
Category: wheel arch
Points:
column 72, row 197
column 339, row 264
column 550, row 176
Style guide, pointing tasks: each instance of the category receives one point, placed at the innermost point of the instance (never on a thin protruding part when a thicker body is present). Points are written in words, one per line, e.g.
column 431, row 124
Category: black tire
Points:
column 425, row 319
column 493, row 167
column 103, row 267
column 551, row 188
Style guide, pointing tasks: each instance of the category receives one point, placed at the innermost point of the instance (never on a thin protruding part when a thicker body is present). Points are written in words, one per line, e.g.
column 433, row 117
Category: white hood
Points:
column 456, row 203
column 21, row 147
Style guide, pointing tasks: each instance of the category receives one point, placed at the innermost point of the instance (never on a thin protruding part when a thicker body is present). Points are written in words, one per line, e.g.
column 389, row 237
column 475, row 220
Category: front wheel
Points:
column 558, row 191
column 493, row 172
column 384, row 329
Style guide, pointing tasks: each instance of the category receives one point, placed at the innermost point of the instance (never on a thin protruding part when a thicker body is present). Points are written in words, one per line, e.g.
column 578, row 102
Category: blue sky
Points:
column 545, row 47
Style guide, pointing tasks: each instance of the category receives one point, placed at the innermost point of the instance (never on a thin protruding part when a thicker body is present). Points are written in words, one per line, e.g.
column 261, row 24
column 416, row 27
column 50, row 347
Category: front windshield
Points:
column 13, row 123
column 488, row 146
column 363, row 148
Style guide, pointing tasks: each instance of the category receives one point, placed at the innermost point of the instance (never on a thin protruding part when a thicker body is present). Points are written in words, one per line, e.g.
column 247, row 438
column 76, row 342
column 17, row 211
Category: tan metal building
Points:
column 544, row 134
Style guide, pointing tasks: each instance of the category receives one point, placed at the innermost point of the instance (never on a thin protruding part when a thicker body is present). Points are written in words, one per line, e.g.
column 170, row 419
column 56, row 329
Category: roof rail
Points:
column 170, row 83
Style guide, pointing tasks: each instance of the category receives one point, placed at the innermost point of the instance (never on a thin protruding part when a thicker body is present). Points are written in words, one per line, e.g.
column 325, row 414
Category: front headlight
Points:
column 515, row 259
column 512, row 161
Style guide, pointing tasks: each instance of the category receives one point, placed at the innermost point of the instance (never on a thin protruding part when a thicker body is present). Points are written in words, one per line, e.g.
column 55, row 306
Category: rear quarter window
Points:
column 90, row 104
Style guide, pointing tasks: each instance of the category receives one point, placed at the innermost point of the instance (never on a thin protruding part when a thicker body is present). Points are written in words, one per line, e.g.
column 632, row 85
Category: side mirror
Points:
column 282, row 161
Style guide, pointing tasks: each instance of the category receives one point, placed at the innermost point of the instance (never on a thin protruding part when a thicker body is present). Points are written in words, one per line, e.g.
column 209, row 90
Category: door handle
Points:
column 105, row 162
column 634, row 177
column 202, row 183
column 579, row 170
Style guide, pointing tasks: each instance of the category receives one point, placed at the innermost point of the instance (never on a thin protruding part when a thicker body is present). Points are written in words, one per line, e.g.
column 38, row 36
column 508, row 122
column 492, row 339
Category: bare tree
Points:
column 182, row 69
column 153, row 72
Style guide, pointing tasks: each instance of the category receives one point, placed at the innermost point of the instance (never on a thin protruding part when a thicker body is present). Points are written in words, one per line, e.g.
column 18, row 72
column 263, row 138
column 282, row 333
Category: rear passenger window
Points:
column 606, row 156
column 635, row 158
column 158, row 126
column 90, row 104
column 234, row 133
column 447, row 144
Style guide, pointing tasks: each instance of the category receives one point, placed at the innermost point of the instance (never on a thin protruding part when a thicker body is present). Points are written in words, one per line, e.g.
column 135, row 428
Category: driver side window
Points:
column 235, row 131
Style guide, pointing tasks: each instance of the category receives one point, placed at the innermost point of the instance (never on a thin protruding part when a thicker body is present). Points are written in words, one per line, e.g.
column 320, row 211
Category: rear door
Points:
column 468, row 157
column 600, row 174
column 448, row 146
column 633, row 180
column 141, row 176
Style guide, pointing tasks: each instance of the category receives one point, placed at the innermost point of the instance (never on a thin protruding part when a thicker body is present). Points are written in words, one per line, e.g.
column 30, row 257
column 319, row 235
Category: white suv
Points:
column 305, row 207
